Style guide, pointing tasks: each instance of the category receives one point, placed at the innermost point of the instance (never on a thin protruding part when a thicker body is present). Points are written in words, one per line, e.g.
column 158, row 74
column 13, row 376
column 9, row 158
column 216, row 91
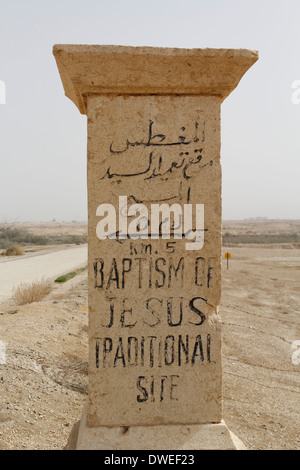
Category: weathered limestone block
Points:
column 153, row 139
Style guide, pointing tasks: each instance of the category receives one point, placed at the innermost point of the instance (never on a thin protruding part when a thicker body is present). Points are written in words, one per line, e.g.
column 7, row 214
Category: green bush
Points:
column 10, row 235
column 65, row 277
column 257, row 238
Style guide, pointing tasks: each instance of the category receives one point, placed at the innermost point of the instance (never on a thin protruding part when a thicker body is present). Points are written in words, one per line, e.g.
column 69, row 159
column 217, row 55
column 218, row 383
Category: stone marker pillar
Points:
column 154, row 241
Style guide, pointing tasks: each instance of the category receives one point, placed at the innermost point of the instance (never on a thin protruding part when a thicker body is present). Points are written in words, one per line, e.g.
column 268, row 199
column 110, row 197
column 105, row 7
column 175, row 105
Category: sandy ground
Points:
column 261, row 226
column 53, row 228
column 260, row 310
column 43, row 383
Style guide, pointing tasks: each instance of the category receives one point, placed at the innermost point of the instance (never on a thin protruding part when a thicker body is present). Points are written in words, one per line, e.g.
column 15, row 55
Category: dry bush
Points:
column 14, row 250
column 34, row 292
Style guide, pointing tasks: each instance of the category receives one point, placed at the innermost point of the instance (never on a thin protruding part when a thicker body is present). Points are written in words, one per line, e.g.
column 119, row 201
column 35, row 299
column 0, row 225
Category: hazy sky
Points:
column 43, row 135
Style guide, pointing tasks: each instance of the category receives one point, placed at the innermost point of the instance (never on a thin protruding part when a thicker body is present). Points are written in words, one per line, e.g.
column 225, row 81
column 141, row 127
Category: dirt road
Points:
column 35, row 266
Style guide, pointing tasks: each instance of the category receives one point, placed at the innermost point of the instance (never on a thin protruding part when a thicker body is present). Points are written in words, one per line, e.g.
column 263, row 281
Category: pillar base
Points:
column 160, row 437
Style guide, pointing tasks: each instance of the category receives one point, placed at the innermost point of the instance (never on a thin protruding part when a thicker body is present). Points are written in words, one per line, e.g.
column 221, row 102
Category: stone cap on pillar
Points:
column 125, row 70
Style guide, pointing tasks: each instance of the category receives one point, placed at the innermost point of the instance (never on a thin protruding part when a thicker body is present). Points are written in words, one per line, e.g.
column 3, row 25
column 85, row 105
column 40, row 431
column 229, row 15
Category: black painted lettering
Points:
column 97, row 354
column 173, row 268
column 183, row 347
column 133, row 250
column 132, row 354
column 162, row 380
column 150, row 309
column 151, row 350
column 142, row 351
column 98, row 273
column 107, row 348
column 140, row 271
column 119, row 356
column 169, row 350
column 198, row 350
column 208, row 348
column 113, row 275
column 123, row 312
column 150, row 273
column 170, row 310
column 125, row 269
column 111, row 313
column 170, row 247
column 157, row 269
column 152, row 389
column 209, row 271
column 173, row 384
column 160, row 354
column 197, row 311
column 199, row 271
column 147, row 249
column 144, row 396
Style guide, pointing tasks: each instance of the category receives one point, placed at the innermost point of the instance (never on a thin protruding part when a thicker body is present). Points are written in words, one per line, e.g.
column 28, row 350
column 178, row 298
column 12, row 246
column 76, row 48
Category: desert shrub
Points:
column 66, row 239
column 10, row 235
column 260, row 238
column 14, row 250
column 65, row 277
column 32, row 292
